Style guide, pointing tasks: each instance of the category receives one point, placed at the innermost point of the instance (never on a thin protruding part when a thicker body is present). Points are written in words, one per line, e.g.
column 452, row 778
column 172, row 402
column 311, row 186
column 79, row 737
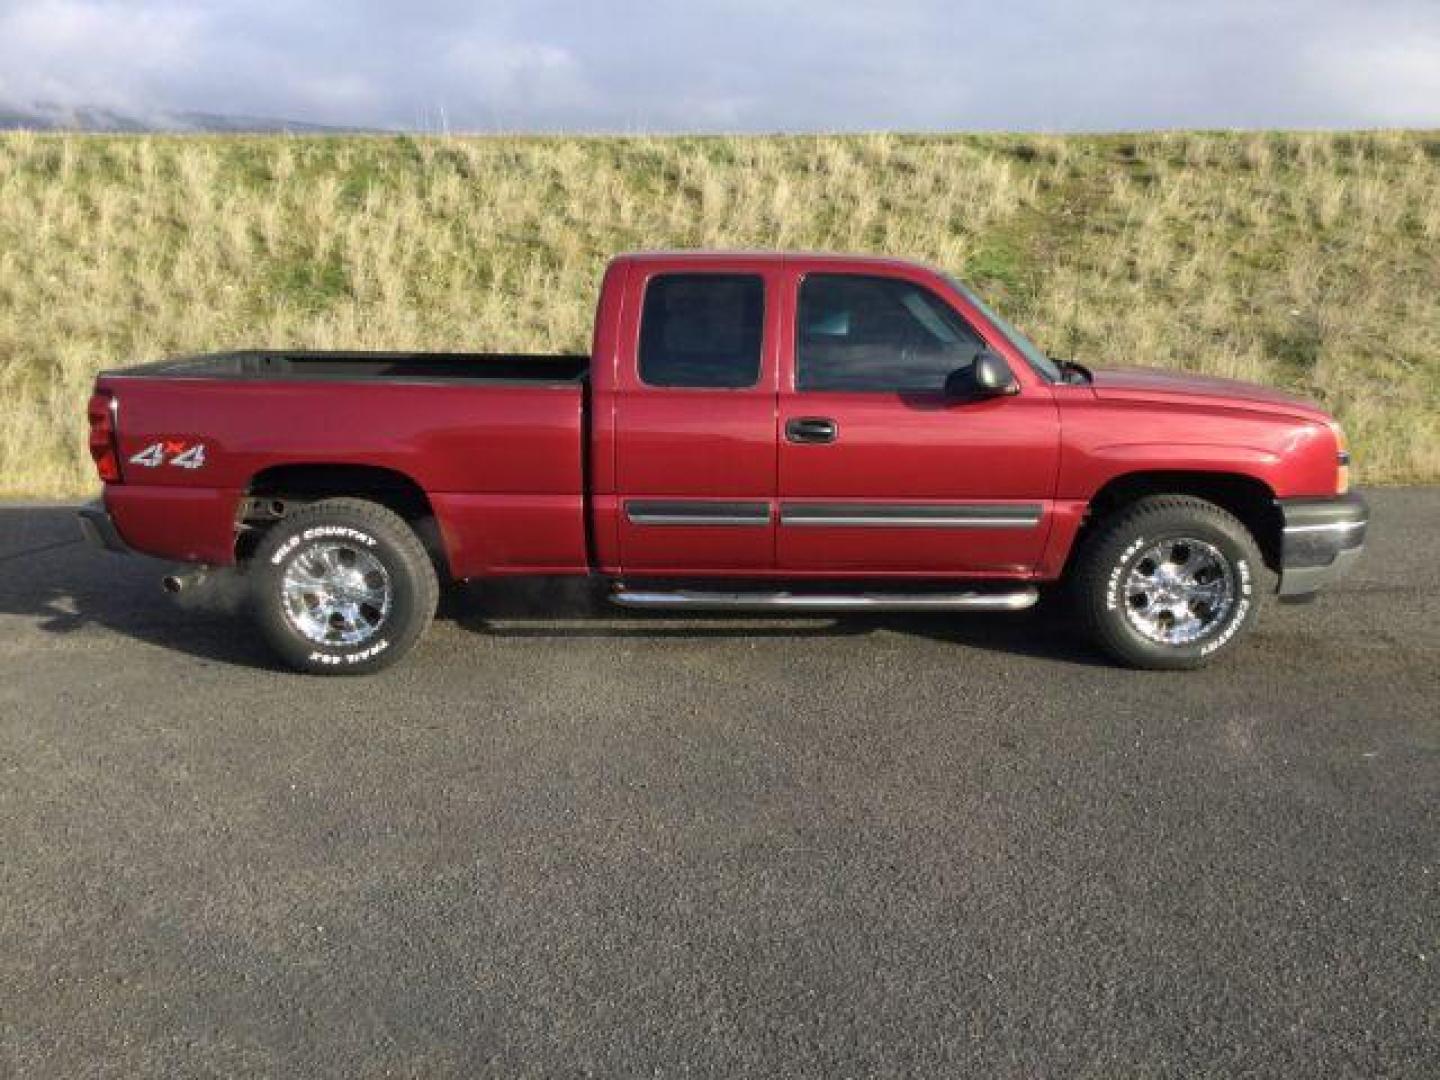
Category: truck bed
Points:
column 495, row 442
column 269, row 366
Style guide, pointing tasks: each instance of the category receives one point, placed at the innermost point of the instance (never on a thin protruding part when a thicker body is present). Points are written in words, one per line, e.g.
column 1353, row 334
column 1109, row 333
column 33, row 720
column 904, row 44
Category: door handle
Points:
column 811, row 429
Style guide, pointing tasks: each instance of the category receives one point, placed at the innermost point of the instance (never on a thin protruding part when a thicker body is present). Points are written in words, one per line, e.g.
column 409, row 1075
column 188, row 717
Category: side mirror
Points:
column 988, row 375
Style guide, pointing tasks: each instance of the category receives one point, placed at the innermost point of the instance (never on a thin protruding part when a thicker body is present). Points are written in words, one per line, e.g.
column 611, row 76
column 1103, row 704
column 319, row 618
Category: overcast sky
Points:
column 737, row 65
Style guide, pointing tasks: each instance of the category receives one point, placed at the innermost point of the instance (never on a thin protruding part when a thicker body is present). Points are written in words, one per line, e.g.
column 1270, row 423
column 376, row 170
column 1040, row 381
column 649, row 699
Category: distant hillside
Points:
column 1306, row 261
column 96, row 119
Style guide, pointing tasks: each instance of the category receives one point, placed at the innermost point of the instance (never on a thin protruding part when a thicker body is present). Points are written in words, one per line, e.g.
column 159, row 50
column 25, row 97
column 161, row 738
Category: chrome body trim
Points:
column 696, row 599
column 696, row 512
column 912, row 515
column 1334, row 526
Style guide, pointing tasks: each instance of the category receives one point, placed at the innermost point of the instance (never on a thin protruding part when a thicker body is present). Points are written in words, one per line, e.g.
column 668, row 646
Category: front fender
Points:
column 1106, row 463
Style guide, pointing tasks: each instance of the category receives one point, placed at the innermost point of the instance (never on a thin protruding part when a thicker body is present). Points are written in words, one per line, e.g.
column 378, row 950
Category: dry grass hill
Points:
column 1307, row 261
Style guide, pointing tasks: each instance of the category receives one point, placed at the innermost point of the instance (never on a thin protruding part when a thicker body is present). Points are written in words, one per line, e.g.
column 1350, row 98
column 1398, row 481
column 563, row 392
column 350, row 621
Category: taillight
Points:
column 103, row 449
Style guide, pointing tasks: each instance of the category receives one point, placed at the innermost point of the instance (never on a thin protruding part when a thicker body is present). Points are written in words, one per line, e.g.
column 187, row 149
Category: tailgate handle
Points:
column 811, row 429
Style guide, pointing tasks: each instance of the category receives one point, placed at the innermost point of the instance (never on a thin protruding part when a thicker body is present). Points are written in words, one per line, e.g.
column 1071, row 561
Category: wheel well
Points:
column 274, row 492
column 1248, row 499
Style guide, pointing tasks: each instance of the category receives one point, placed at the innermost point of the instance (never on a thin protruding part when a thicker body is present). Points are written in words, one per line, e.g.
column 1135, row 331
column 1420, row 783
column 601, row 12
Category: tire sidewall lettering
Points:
column 334, row 659
column 1241, row 612
column 320, row 532
column 1112, row 583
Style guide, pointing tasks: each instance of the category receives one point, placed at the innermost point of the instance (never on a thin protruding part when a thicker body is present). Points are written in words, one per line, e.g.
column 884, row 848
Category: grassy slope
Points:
column 1307, row 261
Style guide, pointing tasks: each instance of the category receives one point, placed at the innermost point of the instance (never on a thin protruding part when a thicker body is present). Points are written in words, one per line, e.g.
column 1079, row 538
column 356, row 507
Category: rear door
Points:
column 695, row 419
column 878, row 471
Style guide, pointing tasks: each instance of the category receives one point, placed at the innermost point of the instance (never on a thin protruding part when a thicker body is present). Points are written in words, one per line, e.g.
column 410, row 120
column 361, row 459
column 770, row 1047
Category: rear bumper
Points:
column 99, row 529
column 1321, row 541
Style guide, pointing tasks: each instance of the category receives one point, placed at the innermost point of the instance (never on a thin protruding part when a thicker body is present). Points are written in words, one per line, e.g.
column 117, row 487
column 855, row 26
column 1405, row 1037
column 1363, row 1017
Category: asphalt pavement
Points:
column 565, row 840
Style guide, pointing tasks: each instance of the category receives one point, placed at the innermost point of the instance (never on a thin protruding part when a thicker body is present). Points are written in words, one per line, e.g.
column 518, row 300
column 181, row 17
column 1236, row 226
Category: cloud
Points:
column 509, row 79
column 72, row 52
column 758, row 65
column 1390, row 82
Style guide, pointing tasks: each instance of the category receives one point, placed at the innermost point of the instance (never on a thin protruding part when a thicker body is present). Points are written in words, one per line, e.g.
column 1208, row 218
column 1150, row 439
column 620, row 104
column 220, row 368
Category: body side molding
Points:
column 696, row 512
column 913, row 515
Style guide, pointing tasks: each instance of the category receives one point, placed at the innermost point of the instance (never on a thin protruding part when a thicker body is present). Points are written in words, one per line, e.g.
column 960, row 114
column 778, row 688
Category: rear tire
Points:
column 1168, row 583
column 342, row 587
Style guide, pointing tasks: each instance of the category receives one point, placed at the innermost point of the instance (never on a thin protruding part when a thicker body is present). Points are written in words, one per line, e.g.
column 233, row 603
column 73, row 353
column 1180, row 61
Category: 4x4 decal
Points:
column 175, row 452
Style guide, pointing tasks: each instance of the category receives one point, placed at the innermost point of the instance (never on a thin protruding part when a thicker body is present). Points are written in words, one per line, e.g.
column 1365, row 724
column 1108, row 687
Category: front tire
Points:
column 342, row 587
column 1169, row 583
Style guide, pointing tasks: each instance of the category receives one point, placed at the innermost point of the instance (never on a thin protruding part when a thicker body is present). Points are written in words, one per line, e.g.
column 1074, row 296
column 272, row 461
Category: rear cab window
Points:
column 702, row 330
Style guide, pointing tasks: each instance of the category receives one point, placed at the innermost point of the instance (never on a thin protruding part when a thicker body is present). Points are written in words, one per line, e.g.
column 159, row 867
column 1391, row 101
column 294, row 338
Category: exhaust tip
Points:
column 174, row 583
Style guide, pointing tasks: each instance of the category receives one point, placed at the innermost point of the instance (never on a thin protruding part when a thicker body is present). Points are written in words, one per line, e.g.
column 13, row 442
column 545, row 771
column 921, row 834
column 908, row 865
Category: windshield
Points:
column 1046, row 367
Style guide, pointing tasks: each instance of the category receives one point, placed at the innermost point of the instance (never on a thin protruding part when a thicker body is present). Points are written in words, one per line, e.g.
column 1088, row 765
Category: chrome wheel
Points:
column 1178, row 590
column 336, row 593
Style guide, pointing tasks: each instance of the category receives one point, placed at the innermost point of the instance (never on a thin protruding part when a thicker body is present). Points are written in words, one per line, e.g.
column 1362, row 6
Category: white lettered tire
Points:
column 1169, row 582
column 342, row 587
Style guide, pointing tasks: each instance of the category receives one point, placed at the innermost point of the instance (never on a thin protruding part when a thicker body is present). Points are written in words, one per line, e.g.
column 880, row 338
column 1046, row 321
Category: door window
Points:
column 862, row 333
column 702, row 330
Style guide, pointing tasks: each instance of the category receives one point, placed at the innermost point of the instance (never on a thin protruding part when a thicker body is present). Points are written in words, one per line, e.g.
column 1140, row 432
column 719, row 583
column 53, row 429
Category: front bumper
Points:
column 1320, row 541
column 97, row 528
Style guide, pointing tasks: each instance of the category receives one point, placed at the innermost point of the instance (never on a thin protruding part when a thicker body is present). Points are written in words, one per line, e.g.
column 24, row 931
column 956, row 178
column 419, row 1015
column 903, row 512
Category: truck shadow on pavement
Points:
column 49, row 576
column 569, row 609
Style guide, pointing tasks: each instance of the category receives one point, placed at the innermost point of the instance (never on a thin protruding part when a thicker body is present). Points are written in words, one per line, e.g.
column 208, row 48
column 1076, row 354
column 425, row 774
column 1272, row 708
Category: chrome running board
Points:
column 696, row 599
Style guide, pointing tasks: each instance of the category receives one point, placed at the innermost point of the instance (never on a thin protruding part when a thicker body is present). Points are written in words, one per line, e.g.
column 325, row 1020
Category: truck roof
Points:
column 766, row 257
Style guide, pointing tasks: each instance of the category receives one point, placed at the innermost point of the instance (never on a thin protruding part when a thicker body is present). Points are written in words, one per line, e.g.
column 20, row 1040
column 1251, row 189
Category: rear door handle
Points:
column 811, row 429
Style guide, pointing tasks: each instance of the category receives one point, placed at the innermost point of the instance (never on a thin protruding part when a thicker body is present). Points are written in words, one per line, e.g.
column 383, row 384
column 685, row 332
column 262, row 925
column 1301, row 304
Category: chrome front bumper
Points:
column 1321, row 540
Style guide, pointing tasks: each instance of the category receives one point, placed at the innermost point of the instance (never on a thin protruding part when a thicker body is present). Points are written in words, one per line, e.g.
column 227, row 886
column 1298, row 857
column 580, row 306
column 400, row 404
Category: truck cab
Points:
column 832, row 446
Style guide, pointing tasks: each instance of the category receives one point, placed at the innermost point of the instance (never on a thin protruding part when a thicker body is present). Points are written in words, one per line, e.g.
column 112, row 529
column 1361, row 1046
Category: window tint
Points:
column 875, row 333
column 702, row 330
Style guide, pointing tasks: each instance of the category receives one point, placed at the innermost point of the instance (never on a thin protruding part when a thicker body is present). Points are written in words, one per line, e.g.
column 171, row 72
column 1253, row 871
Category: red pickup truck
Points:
column 750, row 431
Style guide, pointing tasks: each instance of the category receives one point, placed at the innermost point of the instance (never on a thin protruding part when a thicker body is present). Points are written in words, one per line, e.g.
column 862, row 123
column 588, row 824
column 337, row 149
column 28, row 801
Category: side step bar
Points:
column 703, row 600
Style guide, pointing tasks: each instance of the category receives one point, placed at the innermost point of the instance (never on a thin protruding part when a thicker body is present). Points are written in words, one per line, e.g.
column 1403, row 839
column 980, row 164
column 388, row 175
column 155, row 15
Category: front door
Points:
column 878, row 470
column 695, row 423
